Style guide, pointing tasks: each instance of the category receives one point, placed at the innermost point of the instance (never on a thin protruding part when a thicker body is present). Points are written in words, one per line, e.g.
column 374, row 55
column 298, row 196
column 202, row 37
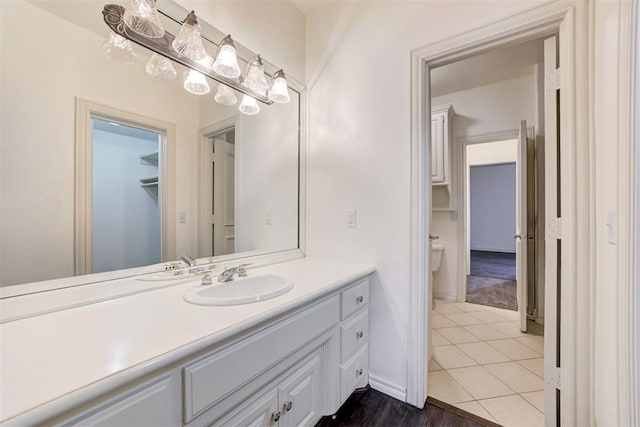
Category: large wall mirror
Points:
column 106, row 168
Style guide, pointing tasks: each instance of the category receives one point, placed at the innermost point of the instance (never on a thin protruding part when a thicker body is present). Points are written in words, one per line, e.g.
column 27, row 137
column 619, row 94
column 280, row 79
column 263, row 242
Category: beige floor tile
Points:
column 449, row 356
column 507, row 314
column 468, row 307
column 434, row 366
column 463, row 318
column 485, row 332
column 513, row 411
column 439, row 321
column 513, row 349
column 516, row 377
column 458, row 335
column 483, row 353
column 534, row 365
column 443, row 387
column 536, row 342
column 536, row 398
column 487, row 316
column 476, row 409
column 479, row 382
column 447, row 309
column 437, row 338
column 510, row 329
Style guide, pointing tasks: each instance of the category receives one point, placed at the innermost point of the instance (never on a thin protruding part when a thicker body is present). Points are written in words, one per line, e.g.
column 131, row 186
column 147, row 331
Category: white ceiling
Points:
column 491, row 67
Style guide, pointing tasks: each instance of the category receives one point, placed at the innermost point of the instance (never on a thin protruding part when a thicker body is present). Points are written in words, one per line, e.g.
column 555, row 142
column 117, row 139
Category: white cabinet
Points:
column 441, row 126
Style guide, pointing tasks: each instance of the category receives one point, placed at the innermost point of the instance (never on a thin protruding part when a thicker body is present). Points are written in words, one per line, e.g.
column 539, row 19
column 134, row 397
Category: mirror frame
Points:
column 170, row 10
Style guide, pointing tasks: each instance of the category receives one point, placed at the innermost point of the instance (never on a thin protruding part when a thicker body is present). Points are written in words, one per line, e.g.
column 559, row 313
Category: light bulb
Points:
column 226, row 63
column 188, row 42
column 279, row 91
column 249, row 105
column 161, row 68
column 196, row 83
column 142, row 17
column 119, row 49
column 254, row 78
column 225, row 95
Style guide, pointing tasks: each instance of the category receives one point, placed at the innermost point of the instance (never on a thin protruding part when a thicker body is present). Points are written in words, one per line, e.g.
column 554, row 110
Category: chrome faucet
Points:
column 228, row 273
column 188, row 260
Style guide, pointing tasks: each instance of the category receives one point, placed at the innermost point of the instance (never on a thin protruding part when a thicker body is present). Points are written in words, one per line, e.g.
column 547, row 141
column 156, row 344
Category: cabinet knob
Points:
column 287, row 406
column 359, row 372
column 359, row 335
column 275, row 417
column 360, row 299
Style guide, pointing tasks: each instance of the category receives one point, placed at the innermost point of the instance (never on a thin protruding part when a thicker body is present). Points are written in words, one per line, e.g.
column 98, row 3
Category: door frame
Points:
column 462, row 178
column 83, row 237
column 571, row 22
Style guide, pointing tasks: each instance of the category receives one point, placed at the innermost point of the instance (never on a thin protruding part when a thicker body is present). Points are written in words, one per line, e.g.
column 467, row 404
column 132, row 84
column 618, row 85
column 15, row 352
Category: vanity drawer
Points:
column 354, row 332
column 209, row 380
column 354, row 373
column 355, row 298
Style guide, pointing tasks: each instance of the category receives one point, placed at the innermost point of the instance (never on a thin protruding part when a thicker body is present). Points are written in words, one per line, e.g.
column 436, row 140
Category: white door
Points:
column 217, row 194
column 521, row 225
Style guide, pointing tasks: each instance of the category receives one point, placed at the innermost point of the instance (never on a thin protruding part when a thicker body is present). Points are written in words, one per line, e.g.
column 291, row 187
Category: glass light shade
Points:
column 196, row 83
column 254, row 78
column 119, row 49
column 225, row 95
column 249, row 105
column 142, row 17
column 188, row 42
column 279, row 91
column 161, row 68
column 226, row 63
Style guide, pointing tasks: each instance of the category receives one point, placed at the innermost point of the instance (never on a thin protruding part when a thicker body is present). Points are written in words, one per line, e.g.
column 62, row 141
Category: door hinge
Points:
column 553, row 80
column 553, row 377
column 554, row 228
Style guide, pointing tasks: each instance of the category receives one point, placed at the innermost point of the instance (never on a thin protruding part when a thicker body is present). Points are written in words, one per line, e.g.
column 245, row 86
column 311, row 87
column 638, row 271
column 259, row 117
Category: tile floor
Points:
column 483, row 364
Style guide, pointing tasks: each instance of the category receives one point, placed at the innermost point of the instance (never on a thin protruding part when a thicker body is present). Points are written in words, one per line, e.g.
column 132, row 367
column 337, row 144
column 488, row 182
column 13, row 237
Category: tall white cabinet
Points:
column 441, row 141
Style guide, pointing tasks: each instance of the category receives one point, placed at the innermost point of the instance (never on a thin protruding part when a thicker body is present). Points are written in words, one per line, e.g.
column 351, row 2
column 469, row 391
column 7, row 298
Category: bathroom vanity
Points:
column 154, row 359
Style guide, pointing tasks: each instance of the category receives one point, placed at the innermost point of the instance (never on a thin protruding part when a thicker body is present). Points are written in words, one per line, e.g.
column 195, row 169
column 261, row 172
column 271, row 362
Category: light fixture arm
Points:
column 114, row 18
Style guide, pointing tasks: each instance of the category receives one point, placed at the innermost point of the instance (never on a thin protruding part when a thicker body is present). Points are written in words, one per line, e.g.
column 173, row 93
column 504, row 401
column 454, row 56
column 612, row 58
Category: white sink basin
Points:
column 244, row 290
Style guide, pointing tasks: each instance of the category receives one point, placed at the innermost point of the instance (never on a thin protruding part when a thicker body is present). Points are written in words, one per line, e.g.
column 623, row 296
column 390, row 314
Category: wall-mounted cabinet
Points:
column 441, row 139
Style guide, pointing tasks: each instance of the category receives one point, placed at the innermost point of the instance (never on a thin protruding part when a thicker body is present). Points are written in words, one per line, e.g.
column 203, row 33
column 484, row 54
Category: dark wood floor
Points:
column 368, row 407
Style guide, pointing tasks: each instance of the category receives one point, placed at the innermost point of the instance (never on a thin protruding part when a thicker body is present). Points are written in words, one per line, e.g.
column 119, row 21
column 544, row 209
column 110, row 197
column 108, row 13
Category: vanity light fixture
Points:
column 188, row 42
column 225, row 95
column 161, row 68
column 187, row 46
column 119, row 49
column 226, row 63
column 142, row 17
column 196, row 83
column 279, row 91
column 249, row 106
column 254, row 78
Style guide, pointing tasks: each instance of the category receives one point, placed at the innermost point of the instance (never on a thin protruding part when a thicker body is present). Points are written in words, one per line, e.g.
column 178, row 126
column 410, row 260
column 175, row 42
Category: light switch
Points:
column 351, row 218
column 182, row 217
column 267, row 218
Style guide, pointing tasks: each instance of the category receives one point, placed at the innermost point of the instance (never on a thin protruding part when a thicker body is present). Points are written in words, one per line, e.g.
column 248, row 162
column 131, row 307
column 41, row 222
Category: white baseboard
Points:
column 388, row 388
column 445, row 297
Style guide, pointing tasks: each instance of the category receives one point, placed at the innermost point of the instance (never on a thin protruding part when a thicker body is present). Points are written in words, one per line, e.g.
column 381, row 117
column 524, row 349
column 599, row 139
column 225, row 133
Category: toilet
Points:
column 436, row 259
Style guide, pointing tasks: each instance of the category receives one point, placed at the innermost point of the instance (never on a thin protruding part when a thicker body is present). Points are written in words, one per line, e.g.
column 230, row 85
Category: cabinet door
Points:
column 262, row 412
column 437, row 147
column 300, row 395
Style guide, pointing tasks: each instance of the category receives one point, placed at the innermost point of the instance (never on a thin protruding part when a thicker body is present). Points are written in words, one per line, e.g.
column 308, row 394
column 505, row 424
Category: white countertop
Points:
column 54, row 361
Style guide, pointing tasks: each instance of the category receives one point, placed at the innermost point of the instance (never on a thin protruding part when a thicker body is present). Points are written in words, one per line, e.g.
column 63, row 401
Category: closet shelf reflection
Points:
column 149, row 181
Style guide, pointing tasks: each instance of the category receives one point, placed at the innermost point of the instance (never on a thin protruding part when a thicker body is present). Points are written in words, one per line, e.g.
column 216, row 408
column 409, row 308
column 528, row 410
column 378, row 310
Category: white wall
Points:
column 479, row 111
column 493, row 207
column 358, row 58
column 126, row 217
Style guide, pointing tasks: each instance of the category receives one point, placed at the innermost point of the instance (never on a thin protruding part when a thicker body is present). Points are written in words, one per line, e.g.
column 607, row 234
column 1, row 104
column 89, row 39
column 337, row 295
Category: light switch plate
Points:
column 182, row 217
column 351, row 218
column 267, row 218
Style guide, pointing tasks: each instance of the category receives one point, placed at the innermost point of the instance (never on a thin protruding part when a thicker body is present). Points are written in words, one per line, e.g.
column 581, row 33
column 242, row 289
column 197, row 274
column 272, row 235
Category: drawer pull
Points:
column 275, row 417
column 359, row 299
column 287, row 406
column 359, row 335
column 359, row 372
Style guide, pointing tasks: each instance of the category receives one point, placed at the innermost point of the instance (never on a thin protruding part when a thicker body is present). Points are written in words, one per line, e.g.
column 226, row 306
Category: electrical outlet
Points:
column 351, row 218
column 182, row 217
column 454, row 216
column 267, row 218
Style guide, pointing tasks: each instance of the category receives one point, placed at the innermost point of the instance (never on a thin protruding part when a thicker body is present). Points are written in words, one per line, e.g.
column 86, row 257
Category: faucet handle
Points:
column 242, row 271
column 206, row 279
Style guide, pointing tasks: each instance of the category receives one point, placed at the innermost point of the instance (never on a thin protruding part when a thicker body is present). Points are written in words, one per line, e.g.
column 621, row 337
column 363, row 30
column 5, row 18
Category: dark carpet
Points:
column 493, row 280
